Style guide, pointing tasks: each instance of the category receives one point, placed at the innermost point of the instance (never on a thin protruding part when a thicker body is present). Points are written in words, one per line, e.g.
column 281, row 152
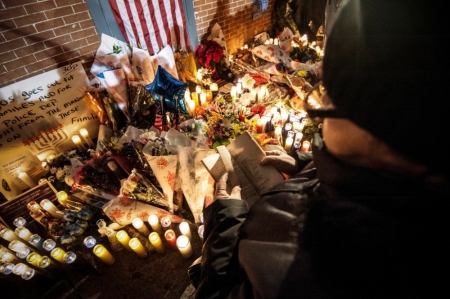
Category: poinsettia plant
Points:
column 210, row 54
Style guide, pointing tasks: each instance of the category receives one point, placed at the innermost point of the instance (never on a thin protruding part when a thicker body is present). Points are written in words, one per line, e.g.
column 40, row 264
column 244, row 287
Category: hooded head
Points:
column 386, row 69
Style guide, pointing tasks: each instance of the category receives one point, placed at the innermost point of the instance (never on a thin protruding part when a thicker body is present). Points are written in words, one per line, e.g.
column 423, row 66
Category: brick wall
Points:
column 41, row 35
column 234, row 17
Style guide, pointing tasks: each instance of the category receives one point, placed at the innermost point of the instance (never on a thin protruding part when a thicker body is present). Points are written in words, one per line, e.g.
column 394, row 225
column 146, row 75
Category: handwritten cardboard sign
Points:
column 45, row 111
column 18, row 207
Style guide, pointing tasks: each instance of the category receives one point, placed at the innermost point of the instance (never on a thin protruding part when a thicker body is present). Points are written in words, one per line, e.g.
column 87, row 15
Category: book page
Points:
column 216, row 167
column 248, row 154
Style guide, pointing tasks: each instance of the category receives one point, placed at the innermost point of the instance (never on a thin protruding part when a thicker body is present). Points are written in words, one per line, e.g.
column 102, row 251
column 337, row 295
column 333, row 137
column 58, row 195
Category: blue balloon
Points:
column 167, row 87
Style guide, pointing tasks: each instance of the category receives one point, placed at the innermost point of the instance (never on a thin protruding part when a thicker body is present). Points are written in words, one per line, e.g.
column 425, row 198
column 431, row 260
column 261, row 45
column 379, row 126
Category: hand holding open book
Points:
column 241, row 158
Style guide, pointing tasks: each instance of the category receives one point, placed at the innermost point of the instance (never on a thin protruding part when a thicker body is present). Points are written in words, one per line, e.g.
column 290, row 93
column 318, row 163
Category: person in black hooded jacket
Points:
column 366, row 217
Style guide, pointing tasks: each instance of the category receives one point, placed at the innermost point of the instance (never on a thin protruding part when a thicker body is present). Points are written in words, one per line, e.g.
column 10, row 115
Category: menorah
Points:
column 46, row 140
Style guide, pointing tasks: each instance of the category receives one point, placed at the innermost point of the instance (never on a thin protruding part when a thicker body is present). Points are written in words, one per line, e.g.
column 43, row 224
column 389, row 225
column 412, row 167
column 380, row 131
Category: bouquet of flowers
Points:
column 224, row 122
column 210, row 54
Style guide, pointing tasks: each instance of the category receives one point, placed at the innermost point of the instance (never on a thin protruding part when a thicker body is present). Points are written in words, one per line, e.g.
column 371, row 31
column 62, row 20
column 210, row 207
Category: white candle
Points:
column 203, row 98
column 198, row 89
column 288, row 144
column 199, row 76
column 50, row 158
column 77, row 141
column 24, row 177
column 23, row 232
column 184, row 246
column 214, row 87
column 51, row 208
column 278, row 131
column 233, row 93
column 298, row 136
column 140, row 226
column 16, row 245
column 185, row 229
column 85, row 134
column 262, row 93
column 153, row 220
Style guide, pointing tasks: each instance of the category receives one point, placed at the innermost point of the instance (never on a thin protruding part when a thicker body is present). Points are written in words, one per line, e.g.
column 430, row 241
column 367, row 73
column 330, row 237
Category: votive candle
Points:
column 20, row 268
column 24, row 177
column 166, row 223
column 8, row 234
column 288, row 144
column 156, row 242
column 184, row 246
column 34, row 259
column 305, row 146
column 19, row 221
column 16, row 245
column 58, row 254
column 101, row 252
column 137, row 247
column 85, row 134
column 140, row 226
column 153, row 220
column 49, row 244
column 77, row 141
column 47, row 205
column 62, row 197
column 124, row 239
column 214, row 87
column 185, row 229
column 36, row 240
column 203, row 98
column 171, row 238
column 89, row 242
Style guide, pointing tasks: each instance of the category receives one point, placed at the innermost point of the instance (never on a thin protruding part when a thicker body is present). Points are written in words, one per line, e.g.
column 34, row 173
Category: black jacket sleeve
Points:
column 220, row 271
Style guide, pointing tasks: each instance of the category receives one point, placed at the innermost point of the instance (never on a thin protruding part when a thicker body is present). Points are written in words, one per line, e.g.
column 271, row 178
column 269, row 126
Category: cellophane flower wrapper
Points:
column 96, row 177
column 94, row 99
column 116, row 84
column 142, row 66
column 164, row 166
column 195, row 181
column 112, row 54
column 142, row 107
column 117, row 119
column 125, row 207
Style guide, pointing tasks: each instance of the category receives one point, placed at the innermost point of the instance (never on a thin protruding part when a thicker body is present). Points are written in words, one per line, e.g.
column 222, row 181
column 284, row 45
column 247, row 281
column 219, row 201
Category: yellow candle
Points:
column 195, row 99
column 209, row 96
column 137, row 247
column 58, row 254
column 140, row 226
column 153, row 220
column 104, row 254
column 51, row 208
column 62, row 197
column 85, row 134
column 156, row 242
column 124, row 239
column 184, row 246
column 184, row 229
column 34, row 259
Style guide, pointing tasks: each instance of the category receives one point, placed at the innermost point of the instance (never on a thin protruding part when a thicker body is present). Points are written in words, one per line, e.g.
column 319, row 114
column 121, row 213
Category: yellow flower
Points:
column 302, row 73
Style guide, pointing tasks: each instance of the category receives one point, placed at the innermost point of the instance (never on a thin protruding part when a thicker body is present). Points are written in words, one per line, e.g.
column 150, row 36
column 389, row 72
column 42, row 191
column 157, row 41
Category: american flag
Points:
column 151, row 24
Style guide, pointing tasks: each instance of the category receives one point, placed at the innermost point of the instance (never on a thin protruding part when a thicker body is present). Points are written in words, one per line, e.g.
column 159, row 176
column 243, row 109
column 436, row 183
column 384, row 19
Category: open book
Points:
column 242, row 156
